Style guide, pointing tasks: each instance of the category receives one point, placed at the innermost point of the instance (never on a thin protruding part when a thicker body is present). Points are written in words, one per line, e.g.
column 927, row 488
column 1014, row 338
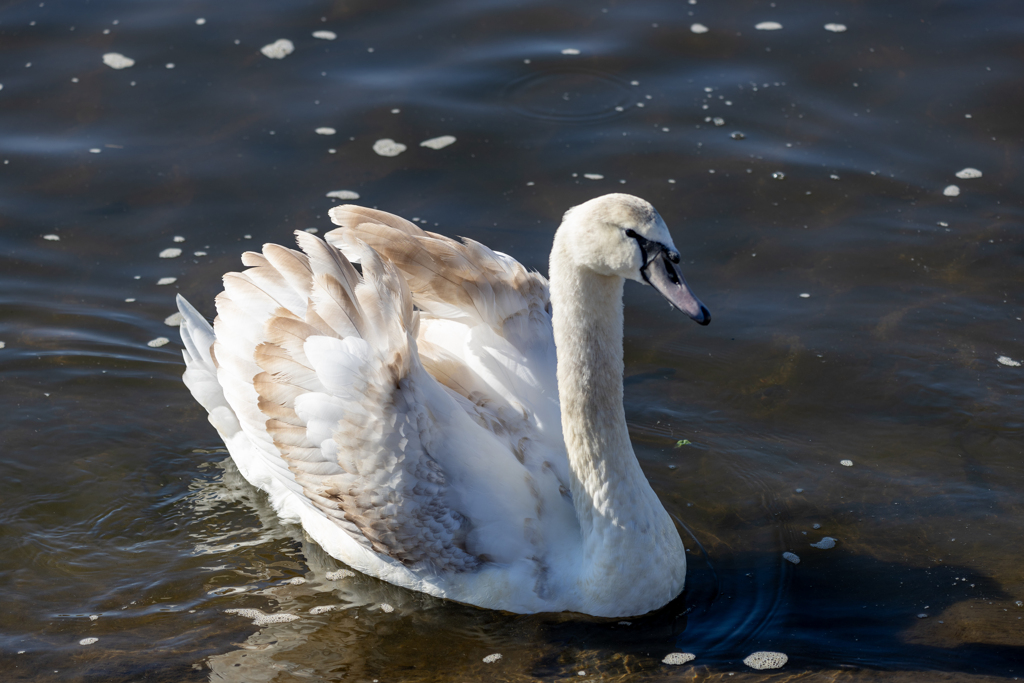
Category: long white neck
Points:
column 627, row 535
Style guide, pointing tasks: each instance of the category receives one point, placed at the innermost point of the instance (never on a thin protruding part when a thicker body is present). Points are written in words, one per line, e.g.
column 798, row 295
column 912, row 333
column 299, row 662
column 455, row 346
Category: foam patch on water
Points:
column 677, row 658
column 279, row 49
column 1006, row 360
column 768, row 26
column 385, row 607
column 167, row 281
column 343, row 194
column 261, row 618
column 846, row 463
column 116, row 60
column 951, row 191
column 439, row 142
column 491, row 659
column 339, row 574
column 325, row 130
column 87, row 641
column 173, row 320
column 766, row 660
column 3, row 344
column 295, row 581
column 570, row 51
column 325, row 35
column 791, row 557
column 826, row 543
column 52, row 238
column 968, row 173
column 323, row 609
column 386, row 147
column 593, row 176
column 698, row 28
column 179, row 239
column 835, row 28
column 170, row 252
column 158, row 342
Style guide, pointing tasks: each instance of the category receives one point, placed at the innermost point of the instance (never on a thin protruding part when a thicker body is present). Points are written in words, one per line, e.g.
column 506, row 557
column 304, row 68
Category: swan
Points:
column 446, row 420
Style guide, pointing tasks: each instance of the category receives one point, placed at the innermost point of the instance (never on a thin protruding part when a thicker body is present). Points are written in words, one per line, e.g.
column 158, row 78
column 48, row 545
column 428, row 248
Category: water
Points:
column 118, row 502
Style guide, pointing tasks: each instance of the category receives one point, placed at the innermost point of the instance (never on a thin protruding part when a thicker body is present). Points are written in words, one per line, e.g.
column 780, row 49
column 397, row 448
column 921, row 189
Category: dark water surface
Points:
column 825, row 177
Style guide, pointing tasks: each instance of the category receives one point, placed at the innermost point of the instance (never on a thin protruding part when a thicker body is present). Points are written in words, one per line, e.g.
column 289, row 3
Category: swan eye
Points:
column 630, row 232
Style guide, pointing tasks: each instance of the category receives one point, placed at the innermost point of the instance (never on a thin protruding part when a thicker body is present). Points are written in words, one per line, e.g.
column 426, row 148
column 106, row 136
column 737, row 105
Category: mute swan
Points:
column 415, row 421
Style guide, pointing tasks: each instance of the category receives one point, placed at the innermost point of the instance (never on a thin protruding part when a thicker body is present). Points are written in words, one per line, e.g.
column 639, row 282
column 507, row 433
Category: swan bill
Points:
column 664, row 275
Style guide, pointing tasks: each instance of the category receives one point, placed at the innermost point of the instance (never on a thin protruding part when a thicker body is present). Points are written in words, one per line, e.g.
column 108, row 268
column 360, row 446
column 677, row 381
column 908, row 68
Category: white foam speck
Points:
column 387, row 147
column 766, row 660
column 593, row 176
column 296, row 581
column 173, row 320
column 158, row 342
column 625, row 623
column 968, row 173
column 1006, row 360
column 698, row 28
column 835, row 28
column 827, row 543
column 491, row 659
column 262, row 619
column 312, row 231
column 93, row 617
column 385, row 607
column 200, row 21
column 951, row 191
column 718, row 121
column 170, row 252
column 87, row 641
column 805, row 295
column 130, row 300
column 846, row 463
column 325, row 35
column 116, row 60
column 95, row 150
column 768, row 26
column 439, row 142
column 677, row 658
column 167, row 281
column 52, row 238
column 279, row 49
column 339, row 574
column 325, row 130
column 322, row 609
column 343, row 194
column 815, row 526
column 179, row 238
column 169, row 65
column 791, row 557
column 3, row 344
column 199, row 253
column 570, row 51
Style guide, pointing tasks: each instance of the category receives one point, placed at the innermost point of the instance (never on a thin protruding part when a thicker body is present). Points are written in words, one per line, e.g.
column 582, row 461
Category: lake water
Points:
column 863, row 312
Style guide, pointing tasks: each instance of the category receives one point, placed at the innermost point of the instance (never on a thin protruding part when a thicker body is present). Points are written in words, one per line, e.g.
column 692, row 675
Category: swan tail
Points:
column 201, row 369
column 461, row 281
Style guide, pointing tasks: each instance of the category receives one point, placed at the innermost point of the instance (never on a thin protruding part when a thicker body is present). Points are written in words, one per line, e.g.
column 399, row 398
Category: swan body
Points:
column 446, row 420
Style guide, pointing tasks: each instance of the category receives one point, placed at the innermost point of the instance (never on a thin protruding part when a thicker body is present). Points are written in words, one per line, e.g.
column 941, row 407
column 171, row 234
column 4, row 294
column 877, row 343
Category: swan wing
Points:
column 320, row 368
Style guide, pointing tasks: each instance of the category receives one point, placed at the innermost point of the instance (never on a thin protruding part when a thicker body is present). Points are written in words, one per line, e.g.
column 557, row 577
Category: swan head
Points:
column 619, row 234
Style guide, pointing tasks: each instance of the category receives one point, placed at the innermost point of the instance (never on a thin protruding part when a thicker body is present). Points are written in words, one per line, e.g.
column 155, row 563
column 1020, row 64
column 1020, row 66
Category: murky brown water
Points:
column 117, row 501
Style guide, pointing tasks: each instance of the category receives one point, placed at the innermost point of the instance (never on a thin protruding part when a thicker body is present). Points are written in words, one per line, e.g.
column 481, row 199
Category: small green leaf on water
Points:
column 683, row 442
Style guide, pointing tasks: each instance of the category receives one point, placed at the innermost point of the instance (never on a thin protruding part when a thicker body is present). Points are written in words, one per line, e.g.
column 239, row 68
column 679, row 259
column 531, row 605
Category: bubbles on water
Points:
column 736, row 135
column 295, row 581
column 325, row 130
column 439, row 142
column 815, row 526
column 779, row 175
column 569, row 95
column 325, row 35
column 968, row 173
column 260, row 618
column 116, row 60
column 951, row 191
column 846, row 463
column 173, row 320
column 386, row 147
column 279, row 49
column 834, row 177
column 791, row 557
column 593, row 176
column 158, row 342
column 323, row 609
column 52, row 238
column 698, row 28
column 835, row 28
column 768, row 26
column 491, row 659
column 1006, row 360
column 570, row 51
column 766, row 660
column 826, row 543
column 200, row 21
column 343, row 194
column 87, row 641
column 178, row 238
column 386, row 608
column 805, row 295
column 166, row 281
column 170, row 252
column 677, row 658
column 718, row 121
column 339, row 574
